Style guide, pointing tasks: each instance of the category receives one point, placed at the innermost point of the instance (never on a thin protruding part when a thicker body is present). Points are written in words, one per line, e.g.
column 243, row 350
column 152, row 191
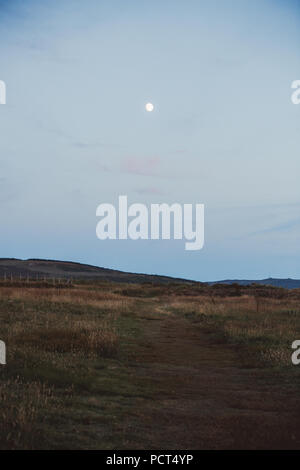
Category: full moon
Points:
column 149, row 107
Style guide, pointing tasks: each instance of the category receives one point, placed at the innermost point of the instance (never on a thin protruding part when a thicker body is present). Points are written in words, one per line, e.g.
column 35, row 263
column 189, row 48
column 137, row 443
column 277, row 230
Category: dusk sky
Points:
column 224, row 132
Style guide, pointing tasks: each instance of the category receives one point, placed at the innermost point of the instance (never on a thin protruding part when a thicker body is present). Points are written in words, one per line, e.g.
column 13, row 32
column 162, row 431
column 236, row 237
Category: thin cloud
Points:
column 150, row 190
column 284, row 227
column 137, row 166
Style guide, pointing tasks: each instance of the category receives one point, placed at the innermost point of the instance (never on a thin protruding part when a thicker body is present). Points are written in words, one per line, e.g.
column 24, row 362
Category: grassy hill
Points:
column 48, row 269
column 286, row 283
column 43, row 269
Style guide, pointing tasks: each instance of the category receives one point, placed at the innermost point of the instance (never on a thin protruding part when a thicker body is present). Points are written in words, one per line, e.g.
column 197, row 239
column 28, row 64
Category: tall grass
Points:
column 22, row 406
column 57, row 338
column 265, row 329
column 52, row 337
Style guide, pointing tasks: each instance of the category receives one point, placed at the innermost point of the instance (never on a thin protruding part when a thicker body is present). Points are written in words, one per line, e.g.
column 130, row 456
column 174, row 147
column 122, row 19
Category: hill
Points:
column 48, row 269
column 286, row 283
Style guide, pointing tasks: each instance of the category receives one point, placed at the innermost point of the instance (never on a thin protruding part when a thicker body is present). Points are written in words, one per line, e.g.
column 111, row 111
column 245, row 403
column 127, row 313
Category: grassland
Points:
column 97, row 365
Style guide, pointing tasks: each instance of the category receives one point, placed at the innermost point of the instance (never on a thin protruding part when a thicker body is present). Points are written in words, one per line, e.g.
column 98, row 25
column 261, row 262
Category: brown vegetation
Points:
column 102, row 365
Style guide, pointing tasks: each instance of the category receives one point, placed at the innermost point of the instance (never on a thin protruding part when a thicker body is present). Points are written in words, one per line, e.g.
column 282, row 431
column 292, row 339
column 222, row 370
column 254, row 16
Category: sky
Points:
column 74, row 132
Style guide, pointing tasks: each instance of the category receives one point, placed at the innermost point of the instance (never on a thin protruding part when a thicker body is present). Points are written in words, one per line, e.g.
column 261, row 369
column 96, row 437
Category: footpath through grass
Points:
column 107, row 366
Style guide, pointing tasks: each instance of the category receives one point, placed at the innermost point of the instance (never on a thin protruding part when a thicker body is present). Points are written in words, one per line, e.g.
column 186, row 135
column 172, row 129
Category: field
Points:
column 98, row 365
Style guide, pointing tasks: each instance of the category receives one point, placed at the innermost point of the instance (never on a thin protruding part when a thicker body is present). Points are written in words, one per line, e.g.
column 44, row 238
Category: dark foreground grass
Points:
column 69, row 381
column 263, row 329
column 62, row 349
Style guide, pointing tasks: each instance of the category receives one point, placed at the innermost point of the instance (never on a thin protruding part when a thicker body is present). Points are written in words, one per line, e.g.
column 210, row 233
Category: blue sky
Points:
column 74, row 132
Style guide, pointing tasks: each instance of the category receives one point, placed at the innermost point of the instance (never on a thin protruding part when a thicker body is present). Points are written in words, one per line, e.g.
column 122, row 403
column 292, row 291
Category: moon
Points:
column 149, row 107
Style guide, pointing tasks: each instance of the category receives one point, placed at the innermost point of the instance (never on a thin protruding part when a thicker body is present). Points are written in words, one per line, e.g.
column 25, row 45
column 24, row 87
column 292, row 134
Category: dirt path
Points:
column 204, row 398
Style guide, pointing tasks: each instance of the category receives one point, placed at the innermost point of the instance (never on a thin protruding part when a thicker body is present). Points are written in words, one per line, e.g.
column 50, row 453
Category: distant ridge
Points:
column 286, row 283
column 49, row 269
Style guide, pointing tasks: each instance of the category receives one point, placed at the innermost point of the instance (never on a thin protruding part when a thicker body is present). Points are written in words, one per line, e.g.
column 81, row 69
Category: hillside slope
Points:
column 48, row 269
column 39, row 268
column 286, row 283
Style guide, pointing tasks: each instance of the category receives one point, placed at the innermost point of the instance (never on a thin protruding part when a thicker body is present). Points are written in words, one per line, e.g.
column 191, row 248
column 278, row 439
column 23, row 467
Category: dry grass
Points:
column 68, row 345
column 22, row 405
column 266, row 328
column 52, row 337
column 88, row 337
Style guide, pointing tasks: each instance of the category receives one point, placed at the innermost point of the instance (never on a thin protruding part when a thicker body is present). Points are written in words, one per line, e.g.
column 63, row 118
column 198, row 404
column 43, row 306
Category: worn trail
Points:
column 204, row 397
